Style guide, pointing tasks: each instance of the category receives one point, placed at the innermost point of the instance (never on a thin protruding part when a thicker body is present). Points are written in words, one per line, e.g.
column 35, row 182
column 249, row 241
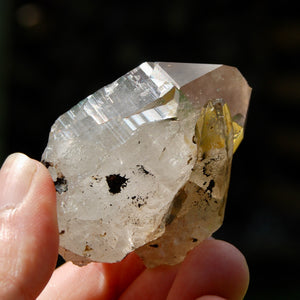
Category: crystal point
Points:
column 144, row 163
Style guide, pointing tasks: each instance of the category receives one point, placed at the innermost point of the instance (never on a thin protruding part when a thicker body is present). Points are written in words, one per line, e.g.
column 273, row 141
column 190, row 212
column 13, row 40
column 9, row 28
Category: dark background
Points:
column 54, row 53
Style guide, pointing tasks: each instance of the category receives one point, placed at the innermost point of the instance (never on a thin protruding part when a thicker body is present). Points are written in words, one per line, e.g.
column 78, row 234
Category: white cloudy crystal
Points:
column 124, row 157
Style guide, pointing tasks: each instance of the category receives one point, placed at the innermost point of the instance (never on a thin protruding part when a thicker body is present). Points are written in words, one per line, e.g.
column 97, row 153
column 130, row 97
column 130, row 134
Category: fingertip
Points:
column 233, row 263
column 224, row 257
column 94, row 280
column 70, row 281
column 152, row 283
column 213, row 268
column 30, row 245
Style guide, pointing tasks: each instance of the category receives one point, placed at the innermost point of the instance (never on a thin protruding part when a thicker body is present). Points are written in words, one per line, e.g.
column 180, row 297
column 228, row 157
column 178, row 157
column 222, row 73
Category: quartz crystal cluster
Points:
column 144, row 163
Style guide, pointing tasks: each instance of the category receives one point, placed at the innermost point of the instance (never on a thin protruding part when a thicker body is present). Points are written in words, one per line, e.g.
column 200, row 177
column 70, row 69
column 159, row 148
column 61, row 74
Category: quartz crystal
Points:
column 144, row 163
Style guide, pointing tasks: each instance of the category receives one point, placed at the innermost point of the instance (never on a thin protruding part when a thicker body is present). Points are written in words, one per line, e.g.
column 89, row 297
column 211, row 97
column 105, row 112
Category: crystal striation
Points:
column 144, row 163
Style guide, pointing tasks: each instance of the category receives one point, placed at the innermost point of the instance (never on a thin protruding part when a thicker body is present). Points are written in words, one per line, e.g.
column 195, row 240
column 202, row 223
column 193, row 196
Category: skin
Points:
column 214, row 270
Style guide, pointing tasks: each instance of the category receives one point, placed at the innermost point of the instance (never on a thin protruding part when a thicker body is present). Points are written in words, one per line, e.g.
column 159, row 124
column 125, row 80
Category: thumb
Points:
column 28, row 228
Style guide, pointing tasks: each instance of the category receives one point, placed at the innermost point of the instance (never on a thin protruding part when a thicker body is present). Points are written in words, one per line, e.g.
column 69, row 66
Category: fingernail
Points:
column 16, row 176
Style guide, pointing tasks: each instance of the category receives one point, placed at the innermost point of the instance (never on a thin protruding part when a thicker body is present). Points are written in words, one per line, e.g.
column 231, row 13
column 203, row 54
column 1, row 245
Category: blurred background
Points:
column 54, row 53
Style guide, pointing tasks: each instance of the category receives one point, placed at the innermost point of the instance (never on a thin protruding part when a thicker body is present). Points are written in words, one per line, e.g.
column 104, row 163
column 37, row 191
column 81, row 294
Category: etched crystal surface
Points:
column 144, row 163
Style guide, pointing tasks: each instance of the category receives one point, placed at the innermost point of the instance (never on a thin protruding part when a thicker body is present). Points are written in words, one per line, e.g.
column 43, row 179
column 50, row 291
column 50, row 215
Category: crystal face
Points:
column 144, row 163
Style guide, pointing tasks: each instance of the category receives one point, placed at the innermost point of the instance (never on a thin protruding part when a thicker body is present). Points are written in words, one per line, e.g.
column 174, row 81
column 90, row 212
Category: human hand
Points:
column 29, row 247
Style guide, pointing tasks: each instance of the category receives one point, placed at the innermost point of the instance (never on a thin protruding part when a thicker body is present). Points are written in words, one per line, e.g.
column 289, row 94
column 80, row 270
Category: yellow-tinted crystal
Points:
column 238, row 135
column 210, row 138
column 212, row 135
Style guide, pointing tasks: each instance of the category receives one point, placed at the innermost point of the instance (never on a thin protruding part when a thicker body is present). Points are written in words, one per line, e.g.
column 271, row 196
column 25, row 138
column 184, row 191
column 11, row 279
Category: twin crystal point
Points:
column 144, row 163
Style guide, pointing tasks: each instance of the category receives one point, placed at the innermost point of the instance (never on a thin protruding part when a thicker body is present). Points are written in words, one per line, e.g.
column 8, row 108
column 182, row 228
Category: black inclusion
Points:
column 211, row 185
column 61, row 184
column 116, row 182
